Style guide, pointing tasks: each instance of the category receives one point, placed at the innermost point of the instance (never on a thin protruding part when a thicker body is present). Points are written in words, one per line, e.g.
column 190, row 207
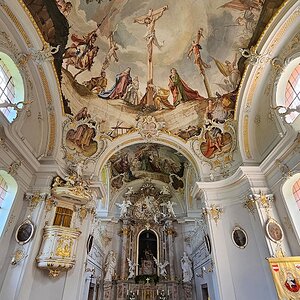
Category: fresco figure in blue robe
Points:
column 119, row 88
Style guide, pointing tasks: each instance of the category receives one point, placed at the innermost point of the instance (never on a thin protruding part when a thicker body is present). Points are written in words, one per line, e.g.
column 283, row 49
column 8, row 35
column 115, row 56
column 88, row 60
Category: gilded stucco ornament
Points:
column 148, row 127
column 34, row 199
column 82, row 139
column 254, row 58
column 213, row 211
column 250, row 204
column 73, row 189
column 43, row 55
column 264, row 201
column 18, row 256
column 14, row 167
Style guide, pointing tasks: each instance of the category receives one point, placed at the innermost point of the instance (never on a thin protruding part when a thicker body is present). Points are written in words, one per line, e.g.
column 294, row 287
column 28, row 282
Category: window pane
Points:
column 292, row 93
column 296, row 192
column 3, row 190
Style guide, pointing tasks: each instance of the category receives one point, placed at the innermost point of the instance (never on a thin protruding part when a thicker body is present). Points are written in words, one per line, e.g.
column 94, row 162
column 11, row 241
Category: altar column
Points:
column 124, row 249
column 170, row 233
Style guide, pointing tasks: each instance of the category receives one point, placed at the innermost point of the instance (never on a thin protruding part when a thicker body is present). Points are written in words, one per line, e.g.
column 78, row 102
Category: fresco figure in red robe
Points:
column 180, row 90
column 119, row 88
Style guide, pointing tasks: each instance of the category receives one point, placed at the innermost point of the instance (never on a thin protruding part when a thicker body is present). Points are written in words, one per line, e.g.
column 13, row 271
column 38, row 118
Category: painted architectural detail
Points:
column 149, row 128
column 216, row 143
column 82, row 137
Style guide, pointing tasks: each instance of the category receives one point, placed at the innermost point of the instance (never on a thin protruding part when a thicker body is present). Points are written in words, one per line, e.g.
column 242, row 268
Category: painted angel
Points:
column 230, row 71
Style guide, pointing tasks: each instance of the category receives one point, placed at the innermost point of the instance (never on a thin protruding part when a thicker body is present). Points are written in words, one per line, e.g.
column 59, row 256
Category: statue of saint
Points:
column 110, row 266
column 186, row 266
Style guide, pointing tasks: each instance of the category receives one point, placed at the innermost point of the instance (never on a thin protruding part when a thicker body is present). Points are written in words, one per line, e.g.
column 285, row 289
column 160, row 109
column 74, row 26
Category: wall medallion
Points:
column 274, row 230
column 239, row 237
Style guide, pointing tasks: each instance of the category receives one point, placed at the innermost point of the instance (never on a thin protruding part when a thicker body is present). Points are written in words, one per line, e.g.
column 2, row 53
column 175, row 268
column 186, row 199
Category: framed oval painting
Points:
column 239, row 237
column 207, row 243
column 24, row 232
column 274, row 231
column 89, row 243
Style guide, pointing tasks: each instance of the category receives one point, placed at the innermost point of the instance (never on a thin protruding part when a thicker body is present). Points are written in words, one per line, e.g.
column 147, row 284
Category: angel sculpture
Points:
column 162, row 267
column 129, row 191
column 124, row 207
column 170, row 209
column 165, row 190
column 131, row 268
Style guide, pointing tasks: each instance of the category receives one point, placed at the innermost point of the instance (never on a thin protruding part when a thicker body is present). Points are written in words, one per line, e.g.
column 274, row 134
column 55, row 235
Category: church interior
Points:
column 149, row 150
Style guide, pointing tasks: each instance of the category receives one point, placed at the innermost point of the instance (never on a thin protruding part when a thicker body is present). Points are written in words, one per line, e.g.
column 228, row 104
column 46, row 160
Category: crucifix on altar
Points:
column 149, row 20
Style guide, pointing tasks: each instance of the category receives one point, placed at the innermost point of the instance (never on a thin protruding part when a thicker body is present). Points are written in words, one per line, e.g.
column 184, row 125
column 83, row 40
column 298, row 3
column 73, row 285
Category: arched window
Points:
column 296, row 192
column 11, row 85
column 291, row 193
column 292, row 94
column 8, row 190
column 3, row 190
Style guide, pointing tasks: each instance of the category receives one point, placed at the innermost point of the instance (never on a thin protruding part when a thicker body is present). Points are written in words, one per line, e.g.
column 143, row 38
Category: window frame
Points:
column 8, row 202
column 18, row 84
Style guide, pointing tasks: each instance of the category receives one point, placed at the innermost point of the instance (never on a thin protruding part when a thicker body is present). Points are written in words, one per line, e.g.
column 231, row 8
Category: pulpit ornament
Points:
column 58, row 249
column 148, row 127
column 73, row 189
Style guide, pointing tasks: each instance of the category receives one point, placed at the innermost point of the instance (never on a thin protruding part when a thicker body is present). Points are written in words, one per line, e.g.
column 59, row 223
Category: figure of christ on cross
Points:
column 149, row 20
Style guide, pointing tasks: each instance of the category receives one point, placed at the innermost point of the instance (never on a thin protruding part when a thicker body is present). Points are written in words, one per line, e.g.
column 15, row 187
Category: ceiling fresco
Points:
column 127, row 58
column 152, row 66
column 152, row 161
